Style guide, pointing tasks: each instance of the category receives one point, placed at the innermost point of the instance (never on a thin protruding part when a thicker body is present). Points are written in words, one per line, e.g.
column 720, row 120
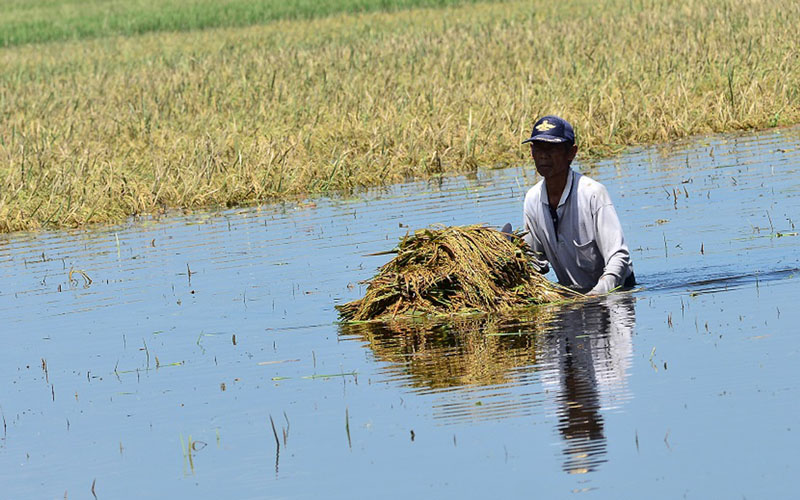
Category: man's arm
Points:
column 537, row 254
column 611, row 243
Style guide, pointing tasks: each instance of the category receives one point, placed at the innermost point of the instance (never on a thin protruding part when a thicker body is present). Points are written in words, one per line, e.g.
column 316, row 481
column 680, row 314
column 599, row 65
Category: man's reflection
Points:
column 580, row 353
column 589, row 348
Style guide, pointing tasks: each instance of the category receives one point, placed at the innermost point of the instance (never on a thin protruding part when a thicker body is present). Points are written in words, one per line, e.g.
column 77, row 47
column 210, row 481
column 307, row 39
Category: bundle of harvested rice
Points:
column 454, row 270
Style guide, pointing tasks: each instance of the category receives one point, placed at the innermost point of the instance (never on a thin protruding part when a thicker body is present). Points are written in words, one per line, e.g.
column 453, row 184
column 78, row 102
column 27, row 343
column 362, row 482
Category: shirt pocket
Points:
column 588, row 256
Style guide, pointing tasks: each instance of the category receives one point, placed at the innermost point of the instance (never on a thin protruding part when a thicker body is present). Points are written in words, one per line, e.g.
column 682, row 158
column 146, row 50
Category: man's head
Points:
column 553, row 147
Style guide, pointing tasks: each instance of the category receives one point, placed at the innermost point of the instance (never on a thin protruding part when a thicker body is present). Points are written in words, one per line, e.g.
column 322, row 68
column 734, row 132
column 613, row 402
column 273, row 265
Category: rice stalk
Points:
column 454, row 270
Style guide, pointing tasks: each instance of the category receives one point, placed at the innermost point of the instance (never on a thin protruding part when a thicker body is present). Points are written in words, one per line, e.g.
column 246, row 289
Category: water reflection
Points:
column 475, row 351
column 570, row 361
column 591, row 347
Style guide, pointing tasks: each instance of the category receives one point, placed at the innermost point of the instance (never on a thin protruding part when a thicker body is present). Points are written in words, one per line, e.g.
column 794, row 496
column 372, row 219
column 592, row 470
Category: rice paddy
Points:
column 205, row 360
column 99, row 130
column 25, row 21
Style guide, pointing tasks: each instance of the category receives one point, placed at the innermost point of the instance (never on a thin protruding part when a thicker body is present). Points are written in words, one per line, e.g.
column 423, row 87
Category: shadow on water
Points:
column 580, row 354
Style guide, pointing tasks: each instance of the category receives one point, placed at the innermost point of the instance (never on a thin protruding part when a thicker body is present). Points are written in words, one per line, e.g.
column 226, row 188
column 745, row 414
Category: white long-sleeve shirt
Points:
column 589, row 242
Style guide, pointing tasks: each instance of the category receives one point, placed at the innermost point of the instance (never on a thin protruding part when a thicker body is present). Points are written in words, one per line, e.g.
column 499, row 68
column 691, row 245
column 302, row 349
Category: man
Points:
column 569, row 218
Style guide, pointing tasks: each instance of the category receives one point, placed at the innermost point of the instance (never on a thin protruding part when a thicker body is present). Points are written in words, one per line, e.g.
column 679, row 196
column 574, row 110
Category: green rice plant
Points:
column 38, row 21
column 100, row 130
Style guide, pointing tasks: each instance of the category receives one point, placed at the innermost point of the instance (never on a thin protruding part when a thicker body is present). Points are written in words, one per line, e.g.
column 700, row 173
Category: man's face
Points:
column 552, row 159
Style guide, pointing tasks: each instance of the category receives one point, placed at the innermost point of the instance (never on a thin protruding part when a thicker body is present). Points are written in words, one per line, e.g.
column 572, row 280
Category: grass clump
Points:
column 454, row 270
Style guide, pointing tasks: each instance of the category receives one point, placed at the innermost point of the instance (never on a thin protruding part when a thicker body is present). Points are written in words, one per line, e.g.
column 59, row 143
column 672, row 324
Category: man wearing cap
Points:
column 569, row 219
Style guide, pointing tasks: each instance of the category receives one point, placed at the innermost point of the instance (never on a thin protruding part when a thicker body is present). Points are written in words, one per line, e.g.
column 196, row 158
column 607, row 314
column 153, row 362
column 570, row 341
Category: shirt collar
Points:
column 564, row 194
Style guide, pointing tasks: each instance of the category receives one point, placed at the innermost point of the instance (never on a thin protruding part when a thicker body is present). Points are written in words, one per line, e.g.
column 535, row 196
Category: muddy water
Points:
column 200, row 356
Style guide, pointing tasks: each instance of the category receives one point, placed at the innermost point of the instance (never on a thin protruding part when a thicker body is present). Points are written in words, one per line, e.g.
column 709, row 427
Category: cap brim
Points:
column 544, row 138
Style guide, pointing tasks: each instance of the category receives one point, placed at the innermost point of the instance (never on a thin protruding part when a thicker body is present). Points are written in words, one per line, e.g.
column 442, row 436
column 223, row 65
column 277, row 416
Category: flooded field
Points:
column 199, row 356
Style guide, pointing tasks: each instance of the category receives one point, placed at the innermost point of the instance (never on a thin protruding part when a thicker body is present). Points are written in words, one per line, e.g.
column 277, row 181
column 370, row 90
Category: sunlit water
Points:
column 199, row 334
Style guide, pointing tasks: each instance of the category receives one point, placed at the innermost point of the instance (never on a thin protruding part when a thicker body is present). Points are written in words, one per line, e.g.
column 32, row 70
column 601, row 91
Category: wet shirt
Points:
column 582, row 238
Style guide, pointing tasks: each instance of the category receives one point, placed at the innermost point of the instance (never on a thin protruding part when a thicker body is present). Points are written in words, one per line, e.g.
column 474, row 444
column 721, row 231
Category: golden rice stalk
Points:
column 451, row 270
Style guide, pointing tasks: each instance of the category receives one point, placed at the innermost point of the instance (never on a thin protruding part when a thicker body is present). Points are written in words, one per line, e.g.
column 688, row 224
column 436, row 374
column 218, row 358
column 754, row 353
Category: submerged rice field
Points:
column 95, row 130
column 199, row 355
column 191, row 192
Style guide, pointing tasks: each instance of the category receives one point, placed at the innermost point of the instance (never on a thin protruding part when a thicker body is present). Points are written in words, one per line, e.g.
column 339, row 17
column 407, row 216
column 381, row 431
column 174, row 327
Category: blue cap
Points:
column 551, row 128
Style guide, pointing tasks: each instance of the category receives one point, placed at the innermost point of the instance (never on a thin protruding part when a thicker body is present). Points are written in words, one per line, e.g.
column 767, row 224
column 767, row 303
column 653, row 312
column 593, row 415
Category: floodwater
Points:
column 199, row 356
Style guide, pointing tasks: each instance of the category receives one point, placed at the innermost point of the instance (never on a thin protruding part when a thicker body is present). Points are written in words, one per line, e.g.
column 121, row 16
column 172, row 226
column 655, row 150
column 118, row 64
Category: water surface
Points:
column 212, row 328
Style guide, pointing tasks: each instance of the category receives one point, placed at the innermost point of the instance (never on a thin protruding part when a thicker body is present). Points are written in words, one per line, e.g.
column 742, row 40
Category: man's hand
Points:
column 606, row 283
column 506, row 230
column 541, row 267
